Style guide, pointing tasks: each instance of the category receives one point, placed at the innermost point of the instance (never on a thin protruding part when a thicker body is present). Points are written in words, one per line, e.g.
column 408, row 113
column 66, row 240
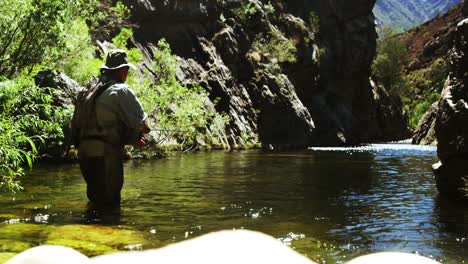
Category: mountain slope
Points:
column 402, row 15
column 428, row 46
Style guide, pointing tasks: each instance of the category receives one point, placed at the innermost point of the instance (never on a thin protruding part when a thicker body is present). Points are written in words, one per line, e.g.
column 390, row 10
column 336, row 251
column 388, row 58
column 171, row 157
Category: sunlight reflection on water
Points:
column 394, row 149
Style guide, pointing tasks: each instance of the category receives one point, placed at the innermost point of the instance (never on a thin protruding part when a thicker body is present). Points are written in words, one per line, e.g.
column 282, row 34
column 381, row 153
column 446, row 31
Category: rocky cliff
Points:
column 292, row 82
column 429, row 45
column 451, row 120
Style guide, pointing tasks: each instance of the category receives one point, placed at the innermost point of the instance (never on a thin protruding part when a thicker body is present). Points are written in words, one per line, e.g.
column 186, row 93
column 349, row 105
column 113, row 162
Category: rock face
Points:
column 428, row 46
column 271, row 73
column 425, row 132
column 65, row 92
column 66, row 89
column 451, row 127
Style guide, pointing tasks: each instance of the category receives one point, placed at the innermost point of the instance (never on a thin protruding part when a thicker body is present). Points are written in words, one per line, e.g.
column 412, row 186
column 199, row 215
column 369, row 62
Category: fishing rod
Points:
column 169, row 130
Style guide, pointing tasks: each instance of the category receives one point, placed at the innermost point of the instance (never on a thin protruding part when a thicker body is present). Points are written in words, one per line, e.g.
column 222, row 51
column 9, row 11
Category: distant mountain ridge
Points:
column 403, row 14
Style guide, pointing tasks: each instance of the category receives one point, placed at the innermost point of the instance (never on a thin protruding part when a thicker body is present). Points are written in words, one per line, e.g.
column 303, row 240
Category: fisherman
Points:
column 106, row 118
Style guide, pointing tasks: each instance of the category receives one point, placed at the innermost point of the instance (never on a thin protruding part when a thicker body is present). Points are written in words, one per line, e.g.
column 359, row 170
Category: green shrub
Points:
column 121, row 41
column 276, row 45
column 33, row 31
column 438, row 74
column 28, row 119
column 388, row 66
column 33, row 111
column 178, row 107
column 417, row 109
column 249, row 9
column 120, row 11
column 38, row 34
column 77, row 58
column 314, row 22
column 12, row 155
column 424, row 86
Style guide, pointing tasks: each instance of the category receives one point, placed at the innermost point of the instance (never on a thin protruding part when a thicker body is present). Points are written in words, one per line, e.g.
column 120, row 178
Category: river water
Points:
column 330, row 204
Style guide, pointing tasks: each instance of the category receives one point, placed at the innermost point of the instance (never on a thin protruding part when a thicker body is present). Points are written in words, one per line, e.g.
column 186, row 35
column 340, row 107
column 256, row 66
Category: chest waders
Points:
column 100, row 158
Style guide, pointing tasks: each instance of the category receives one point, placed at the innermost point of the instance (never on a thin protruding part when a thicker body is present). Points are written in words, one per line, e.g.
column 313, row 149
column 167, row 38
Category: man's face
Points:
column 124, row 72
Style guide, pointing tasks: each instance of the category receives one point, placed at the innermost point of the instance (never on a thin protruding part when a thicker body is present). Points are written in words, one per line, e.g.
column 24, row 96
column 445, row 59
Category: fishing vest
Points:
column 95, row 121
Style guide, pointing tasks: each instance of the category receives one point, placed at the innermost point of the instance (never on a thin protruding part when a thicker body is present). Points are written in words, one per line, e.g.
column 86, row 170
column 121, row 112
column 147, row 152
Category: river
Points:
column 330, row 204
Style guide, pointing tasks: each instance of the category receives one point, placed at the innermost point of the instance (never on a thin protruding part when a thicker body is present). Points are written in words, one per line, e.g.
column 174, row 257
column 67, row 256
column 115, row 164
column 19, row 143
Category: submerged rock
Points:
column 88, row 248
column 451, row 124
column 25, row 231
column 5, row 256
column 7, row 245
column 94, row 240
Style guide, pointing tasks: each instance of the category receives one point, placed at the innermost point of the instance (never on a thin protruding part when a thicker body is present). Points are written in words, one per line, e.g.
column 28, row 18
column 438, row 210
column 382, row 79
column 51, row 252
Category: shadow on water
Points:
column 103, row 215
column 452, row 219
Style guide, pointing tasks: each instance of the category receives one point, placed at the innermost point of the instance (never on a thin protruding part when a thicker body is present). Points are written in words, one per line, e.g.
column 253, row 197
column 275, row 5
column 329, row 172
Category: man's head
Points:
column 117, row 65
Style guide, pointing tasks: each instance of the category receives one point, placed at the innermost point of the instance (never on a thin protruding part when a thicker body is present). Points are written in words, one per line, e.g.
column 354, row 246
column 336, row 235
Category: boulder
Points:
column 65, row 93
column 66, row 89
column 425, row 131
column 391, row 118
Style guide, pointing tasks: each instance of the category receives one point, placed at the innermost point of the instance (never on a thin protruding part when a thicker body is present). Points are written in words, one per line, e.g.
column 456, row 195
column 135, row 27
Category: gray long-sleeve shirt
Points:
column 119, row 119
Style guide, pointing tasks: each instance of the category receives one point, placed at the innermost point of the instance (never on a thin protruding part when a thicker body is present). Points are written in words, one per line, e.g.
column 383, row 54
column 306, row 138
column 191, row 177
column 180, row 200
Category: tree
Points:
column 32, row 31
column 392, row 56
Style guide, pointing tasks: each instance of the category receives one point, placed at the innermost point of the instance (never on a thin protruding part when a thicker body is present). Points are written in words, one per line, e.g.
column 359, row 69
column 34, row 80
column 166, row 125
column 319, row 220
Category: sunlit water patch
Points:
column 384, row 149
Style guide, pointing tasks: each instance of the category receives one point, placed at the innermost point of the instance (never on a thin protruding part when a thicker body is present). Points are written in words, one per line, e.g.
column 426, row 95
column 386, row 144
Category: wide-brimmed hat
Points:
column 116, row 59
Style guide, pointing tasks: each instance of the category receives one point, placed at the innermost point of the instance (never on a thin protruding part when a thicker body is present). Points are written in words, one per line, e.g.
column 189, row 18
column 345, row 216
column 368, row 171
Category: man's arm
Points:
column 145, row 129
column 133, row 115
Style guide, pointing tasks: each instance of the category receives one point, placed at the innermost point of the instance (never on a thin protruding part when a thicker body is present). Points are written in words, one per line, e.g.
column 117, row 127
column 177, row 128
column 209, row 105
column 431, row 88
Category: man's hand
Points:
column 145, row 128
column 141, row 140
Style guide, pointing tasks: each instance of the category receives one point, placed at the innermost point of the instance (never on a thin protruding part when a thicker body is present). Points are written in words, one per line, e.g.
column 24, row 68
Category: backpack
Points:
column 85, row 110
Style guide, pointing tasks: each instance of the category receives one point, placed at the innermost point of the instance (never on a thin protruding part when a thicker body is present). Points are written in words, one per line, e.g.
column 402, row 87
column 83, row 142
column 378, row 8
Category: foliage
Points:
column 33, row 31
column 121, row 40
column 101, row 18
column 33, row 110
column 77, row 58
column 269, row 8
column 424, row 87
column 276, row 45
column 177, row 106
column 37, row 34
column 417, row 109
column 27, row 119
column 388, row 66
column 120, row 11
column 314, row 22
column 249, row 9
column 12, row 157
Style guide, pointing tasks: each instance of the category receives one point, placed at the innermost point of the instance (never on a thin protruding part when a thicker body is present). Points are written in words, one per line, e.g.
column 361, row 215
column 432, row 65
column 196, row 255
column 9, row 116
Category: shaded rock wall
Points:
column 425, row 132
column 323, row 97
column 451, row 127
